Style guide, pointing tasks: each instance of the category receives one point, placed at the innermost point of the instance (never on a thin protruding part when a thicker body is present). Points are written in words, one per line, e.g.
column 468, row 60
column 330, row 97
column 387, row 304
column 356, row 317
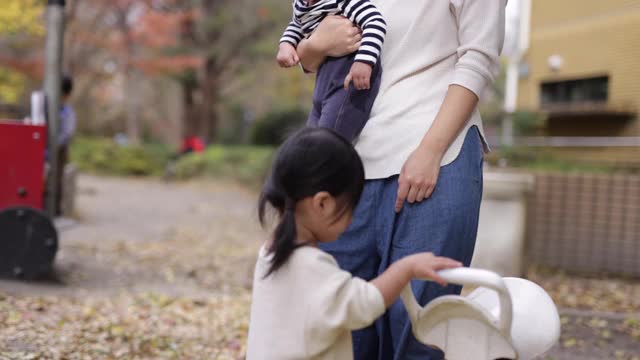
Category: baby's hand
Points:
column 287, row 55
column 427, row 265
column 360, row 74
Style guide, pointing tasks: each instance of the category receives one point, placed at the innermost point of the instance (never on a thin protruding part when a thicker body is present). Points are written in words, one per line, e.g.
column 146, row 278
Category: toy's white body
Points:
column 508, row 318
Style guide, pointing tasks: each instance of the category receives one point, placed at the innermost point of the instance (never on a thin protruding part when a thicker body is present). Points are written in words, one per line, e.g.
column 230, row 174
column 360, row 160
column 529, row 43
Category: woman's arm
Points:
column 335, row 36
column 420, row 172
column 481, row 33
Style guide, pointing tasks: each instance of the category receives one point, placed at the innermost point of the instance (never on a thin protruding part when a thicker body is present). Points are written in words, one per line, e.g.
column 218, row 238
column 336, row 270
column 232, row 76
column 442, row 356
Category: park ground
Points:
column 156, row 270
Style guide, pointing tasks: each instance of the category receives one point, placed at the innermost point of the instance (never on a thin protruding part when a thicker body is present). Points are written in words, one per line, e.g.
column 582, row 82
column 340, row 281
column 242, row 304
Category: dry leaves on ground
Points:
column 143, row 326
column 607, row 294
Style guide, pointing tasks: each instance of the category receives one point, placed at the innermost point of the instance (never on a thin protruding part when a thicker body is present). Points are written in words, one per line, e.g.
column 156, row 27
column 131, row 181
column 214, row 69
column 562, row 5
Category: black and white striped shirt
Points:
column 363, row 13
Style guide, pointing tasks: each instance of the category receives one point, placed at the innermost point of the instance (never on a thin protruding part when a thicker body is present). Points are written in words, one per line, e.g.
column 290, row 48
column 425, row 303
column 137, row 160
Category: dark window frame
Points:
column 591, row 90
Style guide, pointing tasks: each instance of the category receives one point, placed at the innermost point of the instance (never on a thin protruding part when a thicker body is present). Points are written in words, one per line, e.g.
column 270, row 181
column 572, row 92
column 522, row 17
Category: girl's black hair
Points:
column 310, row 161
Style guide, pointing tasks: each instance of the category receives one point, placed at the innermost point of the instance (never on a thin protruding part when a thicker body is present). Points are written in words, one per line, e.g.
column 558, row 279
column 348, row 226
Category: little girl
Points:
column 304, row 306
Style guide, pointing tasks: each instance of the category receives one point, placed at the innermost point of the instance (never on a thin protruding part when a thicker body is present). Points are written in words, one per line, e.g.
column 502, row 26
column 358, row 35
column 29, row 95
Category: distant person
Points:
column 66, row 132
column 191, row 144
column 304, row 306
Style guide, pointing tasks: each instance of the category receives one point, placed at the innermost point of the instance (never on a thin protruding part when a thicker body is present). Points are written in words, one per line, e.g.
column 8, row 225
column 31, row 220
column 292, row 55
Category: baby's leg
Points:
column 344, row 111
column 332, row 105
column 316, row 112
column 356, row 109
column 329, row 95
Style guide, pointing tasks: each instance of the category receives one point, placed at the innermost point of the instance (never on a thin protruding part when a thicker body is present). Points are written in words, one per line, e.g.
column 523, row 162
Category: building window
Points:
column 592, row 90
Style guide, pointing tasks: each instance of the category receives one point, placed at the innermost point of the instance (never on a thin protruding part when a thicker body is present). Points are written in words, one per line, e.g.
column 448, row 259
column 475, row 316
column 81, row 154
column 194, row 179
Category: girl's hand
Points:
column 417, row 266
column 287, row 55
column 427, row 265
column 418, row 177
column 360, row 74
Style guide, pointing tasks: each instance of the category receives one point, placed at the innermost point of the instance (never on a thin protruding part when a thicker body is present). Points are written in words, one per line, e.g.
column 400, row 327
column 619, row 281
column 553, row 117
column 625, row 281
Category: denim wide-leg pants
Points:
column 445, row 224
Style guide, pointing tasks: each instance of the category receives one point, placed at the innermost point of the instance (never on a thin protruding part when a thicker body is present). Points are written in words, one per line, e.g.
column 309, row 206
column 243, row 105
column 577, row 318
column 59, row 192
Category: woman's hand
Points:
column 335, row 36
column 339, row 36
column 418, row 177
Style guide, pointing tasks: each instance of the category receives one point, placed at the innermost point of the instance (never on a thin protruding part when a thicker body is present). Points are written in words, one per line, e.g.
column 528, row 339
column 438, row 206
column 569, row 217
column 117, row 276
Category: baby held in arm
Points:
column 345, row 112
column 360, row 72
column 309, row 13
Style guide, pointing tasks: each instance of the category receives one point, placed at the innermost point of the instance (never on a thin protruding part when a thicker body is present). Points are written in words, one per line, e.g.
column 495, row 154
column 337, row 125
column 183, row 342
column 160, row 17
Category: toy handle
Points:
column 488, row 279
column 474, row 277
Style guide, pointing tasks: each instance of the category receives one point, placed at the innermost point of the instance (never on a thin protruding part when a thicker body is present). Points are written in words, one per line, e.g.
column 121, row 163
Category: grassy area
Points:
column 104, row 156
column 245, row 164
column 249, row 164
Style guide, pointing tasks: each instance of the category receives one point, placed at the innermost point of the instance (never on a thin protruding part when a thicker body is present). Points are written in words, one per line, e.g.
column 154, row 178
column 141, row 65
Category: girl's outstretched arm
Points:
column 418, row 266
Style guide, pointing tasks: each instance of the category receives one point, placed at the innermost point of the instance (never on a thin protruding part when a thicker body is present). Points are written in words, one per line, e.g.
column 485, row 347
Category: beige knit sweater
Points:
column 430, row 45
column 308, row 308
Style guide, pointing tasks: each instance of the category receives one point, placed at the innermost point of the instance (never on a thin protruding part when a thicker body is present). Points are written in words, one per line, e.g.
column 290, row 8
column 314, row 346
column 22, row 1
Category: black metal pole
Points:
column 52, row 86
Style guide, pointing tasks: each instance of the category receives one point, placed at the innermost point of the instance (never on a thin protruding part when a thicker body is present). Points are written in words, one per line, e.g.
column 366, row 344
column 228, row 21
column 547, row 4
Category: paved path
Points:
column 148, row 235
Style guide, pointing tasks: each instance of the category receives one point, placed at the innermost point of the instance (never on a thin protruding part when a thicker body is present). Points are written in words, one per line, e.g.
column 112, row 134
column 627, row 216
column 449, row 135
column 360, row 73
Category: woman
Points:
column 422, row 148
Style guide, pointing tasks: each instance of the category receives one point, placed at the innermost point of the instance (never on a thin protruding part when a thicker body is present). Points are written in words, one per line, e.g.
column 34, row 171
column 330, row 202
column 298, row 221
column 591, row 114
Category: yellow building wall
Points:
column 594, row 37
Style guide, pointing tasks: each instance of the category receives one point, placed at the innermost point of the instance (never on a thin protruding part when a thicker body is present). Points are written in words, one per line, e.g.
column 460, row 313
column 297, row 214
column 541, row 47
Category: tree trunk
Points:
column 190, row 122
column 210, row 97
column 132, row 99
column 131, row 93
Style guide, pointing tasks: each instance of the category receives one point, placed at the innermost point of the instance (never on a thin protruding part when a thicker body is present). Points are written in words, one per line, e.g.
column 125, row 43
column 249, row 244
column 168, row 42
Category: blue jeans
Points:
column 445, row 224
column 346, row 112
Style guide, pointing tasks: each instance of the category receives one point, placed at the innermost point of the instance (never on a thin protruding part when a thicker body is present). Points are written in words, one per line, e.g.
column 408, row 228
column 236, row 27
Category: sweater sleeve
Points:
column 293, row 33
column 481, row 27
column 340, row 303
column 374, row 28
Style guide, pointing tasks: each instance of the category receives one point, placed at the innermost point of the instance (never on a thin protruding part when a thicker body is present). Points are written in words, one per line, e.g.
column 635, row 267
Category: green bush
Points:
column 104, row 156
column 528, row 123
column 542, row 159
column 273, row 128
column 245, row 164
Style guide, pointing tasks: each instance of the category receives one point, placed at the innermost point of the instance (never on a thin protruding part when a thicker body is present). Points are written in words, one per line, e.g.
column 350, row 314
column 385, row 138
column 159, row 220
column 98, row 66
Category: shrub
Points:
column 245, row 164
column 528, row 123
column 274, row 127
column 104, row 156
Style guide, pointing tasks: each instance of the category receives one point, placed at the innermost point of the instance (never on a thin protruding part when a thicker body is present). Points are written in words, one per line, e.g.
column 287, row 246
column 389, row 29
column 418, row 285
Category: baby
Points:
column 343, row 111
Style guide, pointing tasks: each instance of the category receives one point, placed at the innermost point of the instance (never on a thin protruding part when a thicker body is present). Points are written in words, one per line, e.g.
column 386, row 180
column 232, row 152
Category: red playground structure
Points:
column 28, row 238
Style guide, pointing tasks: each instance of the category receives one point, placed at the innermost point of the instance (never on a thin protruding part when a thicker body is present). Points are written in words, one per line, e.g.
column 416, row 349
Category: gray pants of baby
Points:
column 344, row 111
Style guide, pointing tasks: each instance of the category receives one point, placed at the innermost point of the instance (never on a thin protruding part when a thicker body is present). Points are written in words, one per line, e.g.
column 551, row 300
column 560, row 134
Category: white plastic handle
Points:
column 488, row 279
column 474, row 277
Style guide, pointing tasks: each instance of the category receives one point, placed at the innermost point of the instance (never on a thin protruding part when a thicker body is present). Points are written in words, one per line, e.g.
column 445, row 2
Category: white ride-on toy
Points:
column 504, row 318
